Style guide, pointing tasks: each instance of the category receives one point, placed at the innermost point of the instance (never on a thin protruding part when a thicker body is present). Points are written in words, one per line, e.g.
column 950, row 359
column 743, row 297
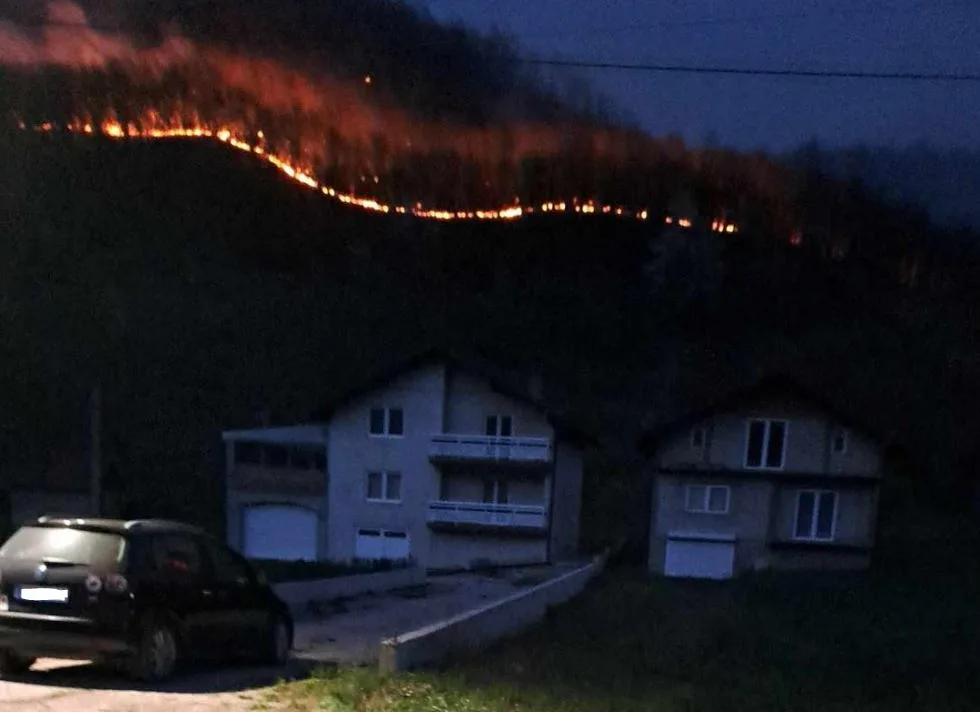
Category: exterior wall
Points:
column 284, row 480
column 236, row 504
column 469, row 488
column 762, row 508
column 469, row 401
column 353, row 452
column 454, row 550
column 747, row 518
column 819, row 561
column 807, row 446
column 861, row 456
column 566, row 503
column 855, row 515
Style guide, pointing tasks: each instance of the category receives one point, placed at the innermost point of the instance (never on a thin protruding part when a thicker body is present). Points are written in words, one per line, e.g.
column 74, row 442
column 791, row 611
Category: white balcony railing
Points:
column 524, row 516
column 492, row 449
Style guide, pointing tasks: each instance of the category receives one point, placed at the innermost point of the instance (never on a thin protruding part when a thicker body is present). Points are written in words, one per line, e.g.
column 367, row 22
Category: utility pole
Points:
column 95, row 451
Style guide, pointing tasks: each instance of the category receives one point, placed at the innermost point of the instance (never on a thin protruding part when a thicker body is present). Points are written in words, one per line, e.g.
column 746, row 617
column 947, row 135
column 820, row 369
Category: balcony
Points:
column 478, row 517
column 490, row 449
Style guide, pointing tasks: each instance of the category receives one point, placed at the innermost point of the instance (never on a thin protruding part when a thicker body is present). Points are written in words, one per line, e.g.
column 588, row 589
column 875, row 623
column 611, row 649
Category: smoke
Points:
column 62, row 12
column 99, row 61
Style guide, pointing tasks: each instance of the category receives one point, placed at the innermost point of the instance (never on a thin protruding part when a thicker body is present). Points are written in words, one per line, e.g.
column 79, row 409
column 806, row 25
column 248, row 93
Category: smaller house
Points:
column 770, row 476
column 441, row 459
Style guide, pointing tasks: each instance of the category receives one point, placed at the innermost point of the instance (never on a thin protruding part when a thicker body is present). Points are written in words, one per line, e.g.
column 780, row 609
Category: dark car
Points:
column 140, row 595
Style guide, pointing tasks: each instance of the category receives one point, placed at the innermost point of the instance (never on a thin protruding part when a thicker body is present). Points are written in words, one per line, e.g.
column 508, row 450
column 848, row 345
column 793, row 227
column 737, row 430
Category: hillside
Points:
column 201, row 288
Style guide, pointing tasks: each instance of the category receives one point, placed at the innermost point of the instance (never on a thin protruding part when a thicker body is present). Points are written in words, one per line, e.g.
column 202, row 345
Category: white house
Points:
column 770, row 476
column 436, row 460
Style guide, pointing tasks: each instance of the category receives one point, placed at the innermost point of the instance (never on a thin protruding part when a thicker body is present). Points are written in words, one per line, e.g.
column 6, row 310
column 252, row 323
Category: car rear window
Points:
column 67, row 545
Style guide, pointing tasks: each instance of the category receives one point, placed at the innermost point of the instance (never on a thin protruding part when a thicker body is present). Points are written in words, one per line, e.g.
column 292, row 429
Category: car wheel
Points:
column 14, row 664
column 156, row 653
column 278, row 641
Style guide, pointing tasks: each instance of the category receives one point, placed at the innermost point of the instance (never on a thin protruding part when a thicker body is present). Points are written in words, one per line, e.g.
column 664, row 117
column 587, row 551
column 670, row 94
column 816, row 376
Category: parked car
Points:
column 141, row 595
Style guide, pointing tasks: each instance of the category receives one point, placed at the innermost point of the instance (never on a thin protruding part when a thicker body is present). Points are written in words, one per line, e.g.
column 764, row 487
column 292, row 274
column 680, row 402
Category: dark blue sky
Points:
column 763, row 112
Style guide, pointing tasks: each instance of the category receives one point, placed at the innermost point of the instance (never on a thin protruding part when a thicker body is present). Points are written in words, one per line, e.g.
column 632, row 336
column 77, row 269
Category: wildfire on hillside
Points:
column 338, row 138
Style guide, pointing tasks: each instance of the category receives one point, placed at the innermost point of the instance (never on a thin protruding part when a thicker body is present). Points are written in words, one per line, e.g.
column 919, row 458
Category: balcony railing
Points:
column 484, row 514
column 486, row 448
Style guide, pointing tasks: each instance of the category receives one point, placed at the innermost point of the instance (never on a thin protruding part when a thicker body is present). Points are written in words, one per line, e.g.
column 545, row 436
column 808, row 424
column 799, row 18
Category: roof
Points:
column 116, row 526
column 773, row 384
column 504, row 381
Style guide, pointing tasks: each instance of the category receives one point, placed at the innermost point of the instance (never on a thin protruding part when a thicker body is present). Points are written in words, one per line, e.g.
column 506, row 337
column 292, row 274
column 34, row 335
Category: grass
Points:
column 890, row 640
column 284, row 571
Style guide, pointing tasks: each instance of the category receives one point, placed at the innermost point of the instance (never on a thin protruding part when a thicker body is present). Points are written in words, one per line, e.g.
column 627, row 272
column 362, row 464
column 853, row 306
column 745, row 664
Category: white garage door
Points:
column 700, row 559
column 280, row 531
column 381, row 544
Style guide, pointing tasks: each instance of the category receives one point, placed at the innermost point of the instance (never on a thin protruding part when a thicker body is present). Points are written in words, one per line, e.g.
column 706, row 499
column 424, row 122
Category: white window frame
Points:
column 385, row 474
column 499, row 422
column 815, row 515
column 704, row 437
column 844, row 435
column 706, row 503
column 386, row 428
column 765, row 443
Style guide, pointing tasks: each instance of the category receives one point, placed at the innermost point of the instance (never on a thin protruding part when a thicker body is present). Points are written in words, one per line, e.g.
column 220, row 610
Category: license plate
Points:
column 42, row 594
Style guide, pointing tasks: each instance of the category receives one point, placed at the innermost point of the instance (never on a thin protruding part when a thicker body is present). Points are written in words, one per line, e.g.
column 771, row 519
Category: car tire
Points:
column 278, row 641
column 155, row 657
column 14, row 664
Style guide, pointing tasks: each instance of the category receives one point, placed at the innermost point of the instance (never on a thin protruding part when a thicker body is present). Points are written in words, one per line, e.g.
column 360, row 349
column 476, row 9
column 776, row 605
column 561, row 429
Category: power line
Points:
column 691, row 69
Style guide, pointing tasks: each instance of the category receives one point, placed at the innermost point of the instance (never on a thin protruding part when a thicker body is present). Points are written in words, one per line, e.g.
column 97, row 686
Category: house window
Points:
column 707, row 499
column 697, row 438
column 384, row 486
column 765, row 449
column 499, row 426
column 816, row 515
column 387, row 422
column 838, row 442
column 495, row 491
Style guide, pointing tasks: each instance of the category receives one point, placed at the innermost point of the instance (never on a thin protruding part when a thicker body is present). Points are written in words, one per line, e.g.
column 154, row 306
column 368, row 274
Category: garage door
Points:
column 280, row 531
column 699, row 559
column 381, row 544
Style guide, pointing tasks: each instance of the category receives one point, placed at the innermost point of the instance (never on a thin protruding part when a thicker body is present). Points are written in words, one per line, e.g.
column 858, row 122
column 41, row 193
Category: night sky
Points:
column 770, row 113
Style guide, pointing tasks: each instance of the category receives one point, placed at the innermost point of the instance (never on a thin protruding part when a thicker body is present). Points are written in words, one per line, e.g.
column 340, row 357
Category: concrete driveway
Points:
column 349, row 633
column 346, row 633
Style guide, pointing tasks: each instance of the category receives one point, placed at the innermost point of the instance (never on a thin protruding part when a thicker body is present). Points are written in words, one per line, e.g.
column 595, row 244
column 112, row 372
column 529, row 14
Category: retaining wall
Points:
column 299, row 594
column 480, row 627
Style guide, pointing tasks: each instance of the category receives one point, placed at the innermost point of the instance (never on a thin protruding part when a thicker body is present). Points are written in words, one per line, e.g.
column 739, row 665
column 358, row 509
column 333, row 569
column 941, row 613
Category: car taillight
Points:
column 4, row 604
column 116, row 583
column 93, row 584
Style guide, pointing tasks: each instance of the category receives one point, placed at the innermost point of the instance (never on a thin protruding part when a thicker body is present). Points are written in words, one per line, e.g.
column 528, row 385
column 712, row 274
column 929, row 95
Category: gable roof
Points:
column 504, row 381
column 777, row 384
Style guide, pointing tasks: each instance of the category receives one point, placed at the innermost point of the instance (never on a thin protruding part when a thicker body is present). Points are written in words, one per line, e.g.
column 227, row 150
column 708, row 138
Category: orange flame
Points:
column 304, row 175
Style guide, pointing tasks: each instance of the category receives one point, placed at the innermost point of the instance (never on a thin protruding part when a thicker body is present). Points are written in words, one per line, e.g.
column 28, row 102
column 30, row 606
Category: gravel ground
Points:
column 65, row 686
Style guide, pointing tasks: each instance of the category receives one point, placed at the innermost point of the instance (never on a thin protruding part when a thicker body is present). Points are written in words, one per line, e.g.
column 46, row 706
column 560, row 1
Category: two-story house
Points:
column 770, row 476
column 437, row 460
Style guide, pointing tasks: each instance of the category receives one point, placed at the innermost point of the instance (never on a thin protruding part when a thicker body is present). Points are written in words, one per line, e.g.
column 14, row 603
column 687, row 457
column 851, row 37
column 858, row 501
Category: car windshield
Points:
column 65, row 545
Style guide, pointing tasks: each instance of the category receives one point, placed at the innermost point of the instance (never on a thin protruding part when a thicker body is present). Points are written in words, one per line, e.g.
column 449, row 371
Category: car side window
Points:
column 228, row 567
column 176, row 557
